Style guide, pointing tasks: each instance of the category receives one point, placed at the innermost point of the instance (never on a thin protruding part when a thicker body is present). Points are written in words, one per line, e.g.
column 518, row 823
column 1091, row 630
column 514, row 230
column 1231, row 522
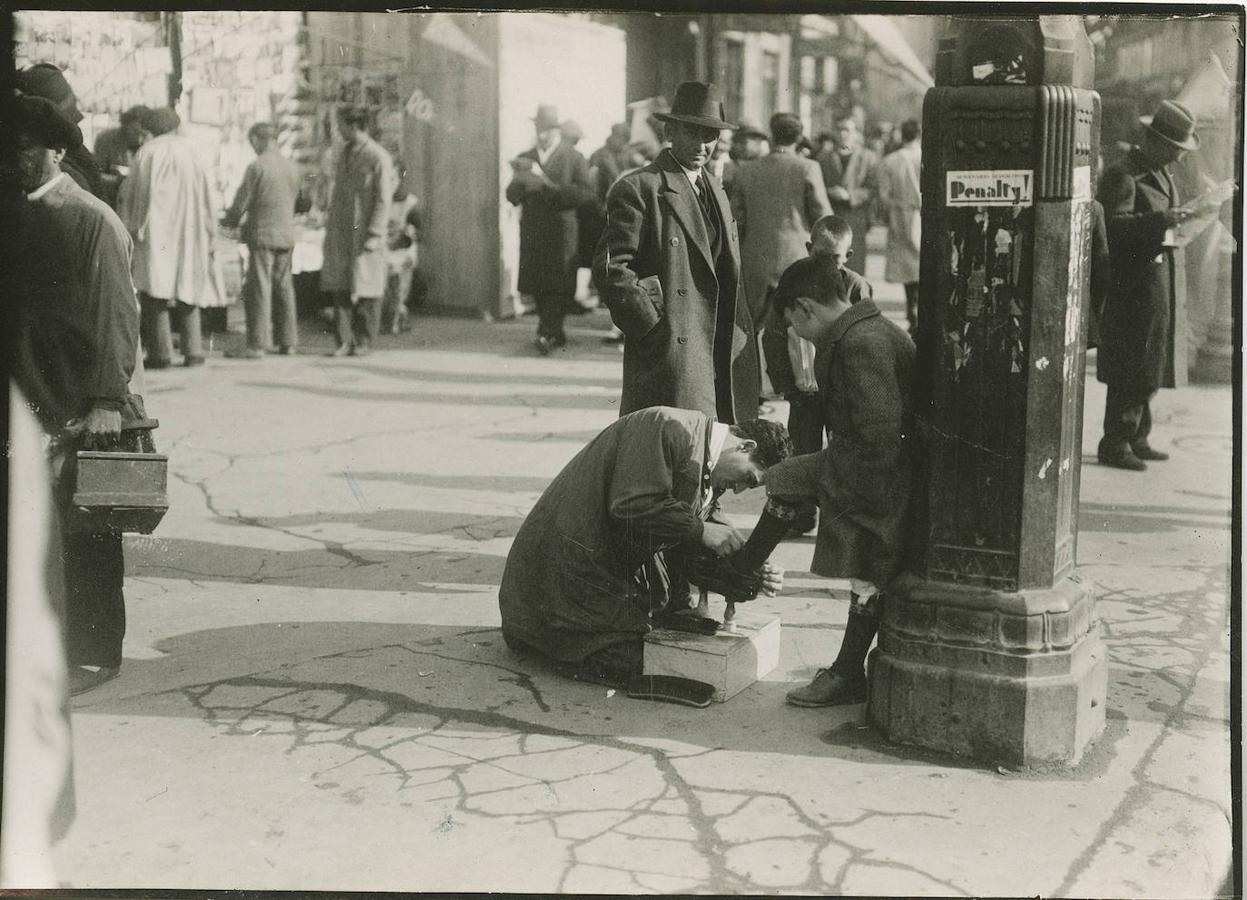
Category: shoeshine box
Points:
column 728, row 661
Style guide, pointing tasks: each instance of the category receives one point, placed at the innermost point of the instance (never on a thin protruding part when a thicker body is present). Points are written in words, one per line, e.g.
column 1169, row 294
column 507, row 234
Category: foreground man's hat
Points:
column 697, row 103
column 1174, row 124
column 39, row 118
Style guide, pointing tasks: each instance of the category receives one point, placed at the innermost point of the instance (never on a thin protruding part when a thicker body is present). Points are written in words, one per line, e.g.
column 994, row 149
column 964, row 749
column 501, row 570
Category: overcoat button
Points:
column 682, row 291
column 675, row 242
column 681, row 340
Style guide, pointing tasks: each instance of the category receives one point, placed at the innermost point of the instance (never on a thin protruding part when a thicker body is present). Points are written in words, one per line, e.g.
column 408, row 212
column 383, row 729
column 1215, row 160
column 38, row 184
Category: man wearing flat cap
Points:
column 668, row 268
column 77, row 348
column 1138, row 352
column 549, row 183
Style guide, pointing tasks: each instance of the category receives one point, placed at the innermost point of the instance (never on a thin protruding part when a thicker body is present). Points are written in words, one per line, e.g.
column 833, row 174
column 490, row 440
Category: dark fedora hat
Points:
column 38, row 118
column 1174, row 124
column 697, row 103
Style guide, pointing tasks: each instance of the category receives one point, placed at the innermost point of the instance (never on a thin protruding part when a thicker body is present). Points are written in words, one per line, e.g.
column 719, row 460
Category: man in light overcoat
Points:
column 668, row 268
column 355, row 266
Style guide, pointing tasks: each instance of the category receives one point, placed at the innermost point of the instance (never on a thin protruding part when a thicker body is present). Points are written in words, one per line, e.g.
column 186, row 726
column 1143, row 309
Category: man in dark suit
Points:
column 549, row 183
column 1147, row 291
column 668, row 268
column 265, row 205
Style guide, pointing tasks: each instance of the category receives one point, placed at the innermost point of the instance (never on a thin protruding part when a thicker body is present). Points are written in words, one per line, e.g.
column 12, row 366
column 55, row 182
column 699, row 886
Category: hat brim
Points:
column 1192, row 143
column 703, row 121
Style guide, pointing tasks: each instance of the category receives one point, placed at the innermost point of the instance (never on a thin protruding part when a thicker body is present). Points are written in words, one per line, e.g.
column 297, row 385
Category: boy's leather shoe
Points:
column 829, row 689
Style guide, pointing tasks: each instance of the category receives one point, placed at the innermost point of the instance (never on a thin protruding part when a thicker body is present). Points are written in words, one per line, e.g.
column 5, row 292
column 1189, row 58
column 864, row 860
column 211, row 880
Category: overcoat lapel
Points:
column 725, row 216
column 684, row 204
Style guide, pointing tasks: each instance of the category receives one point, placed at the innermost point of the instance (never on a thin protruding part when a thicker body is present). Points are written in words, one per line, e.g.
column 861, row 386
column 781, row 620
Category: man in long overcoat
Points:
column 1138, row 351
column 851, row 173
column 778, row 199
column 355, row 266
column 549, row 183
column 668, row 268
column 578, row 586
column 900, row 196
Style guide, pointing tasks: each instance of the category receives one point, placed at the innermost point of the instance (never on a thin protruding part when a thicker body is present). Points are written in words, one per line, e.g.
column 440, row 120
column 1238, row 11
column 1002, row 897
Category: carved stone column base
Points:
column 1005, row 677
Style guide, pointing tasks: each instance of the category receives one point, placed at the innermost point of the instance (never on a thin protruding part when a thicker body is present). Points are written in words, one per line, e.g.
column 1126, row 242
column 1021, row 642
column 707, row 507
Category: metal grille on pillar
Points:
column 991, row 647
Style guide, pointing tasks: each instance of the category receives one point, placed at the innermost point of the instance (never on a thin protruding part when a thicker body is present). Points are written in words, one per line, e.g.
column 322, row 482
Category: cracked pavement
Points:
column 316, row 695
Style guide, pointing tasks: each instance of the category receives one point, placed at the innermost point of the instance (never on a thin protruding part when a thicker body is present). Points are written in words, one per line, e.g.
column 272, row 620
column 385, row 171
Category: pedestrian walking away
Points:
column 265, row 206
column 168, row 205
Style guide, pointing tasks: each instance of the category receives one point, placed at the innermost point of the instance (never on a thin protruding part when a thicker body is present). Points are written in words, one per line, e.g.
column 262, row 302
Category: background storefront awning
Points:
column 892, row 43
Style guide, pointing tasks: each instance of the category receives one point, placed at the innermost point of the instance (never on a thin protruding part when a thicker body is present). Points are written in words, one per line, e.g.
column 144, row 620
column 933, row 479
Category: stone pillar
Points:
column 990, row 647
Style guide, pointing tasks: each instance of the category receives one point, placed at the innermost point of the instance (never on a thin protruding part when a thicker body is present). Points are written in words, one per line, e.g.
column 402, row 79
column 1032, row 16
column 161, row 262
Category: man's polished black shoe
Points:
column 1124, row 459
column 544, row 345
column 1145, row 451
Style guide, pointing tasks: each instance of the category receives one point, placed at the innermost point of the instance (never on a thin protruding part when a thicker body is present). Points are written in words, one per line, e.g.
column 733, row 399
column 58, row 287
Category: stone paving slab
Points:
column 316, row 694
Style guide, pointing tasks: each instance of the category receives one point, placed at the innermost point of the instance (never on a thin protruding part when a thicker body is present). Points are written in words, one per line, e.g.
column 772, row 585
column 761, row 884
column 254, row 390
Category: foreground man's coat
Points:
column 572, row 584
column 654, row 270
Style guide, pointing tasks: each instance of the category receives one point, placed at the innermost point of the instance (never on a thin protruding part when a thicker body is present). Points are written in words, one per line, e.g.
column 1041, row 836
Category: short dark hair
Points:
column 136, row 115
column 162, row 121
column 825, row 137
column 785, row 128
column 355, row 116
column 834, row 226
column 264, row 132
column 910, row 129
column 813, row 277
column 774, row 444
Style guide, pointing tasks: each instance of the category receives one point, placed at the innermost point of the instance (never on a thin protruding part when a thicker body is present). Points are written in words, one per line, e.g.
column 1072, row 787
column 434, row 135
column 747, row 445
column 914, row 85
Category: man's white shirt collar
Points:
column 543, row 155
column 45, row 187
column 691, row 174
column 718, row 437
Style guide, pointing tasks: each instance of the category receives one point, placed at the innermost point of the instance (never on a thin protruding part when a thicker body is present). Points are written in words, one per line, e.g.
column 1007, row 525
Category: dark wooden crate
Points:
column 125, row 492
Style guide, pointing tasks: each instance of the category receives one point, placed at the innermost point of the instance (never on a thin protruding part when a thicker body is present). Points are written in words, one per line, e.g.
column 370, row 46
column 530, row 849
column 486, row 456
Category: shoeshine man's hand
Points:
column 772, row 579
column 98, row 422
column 721, row 539
column 373, row 243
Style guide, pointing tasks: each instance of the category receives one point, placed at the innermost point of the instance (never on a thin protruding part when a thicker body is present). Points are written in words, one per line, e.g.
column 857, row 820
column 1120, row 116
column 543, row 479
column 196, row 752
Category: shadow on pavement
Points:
column 569, row 380
column 1120, row 518
column 328, row 567
column 597, row 402
column 503, row 484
